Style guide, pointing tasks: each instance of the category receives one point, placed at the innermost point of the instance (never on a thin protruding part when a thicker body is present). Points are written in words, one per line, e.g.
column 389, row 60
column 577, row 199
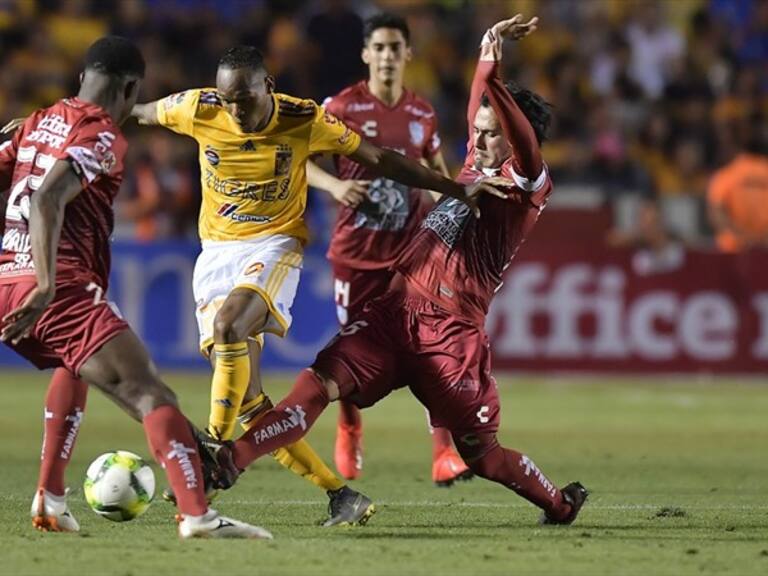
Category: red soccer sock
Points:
column 349, row 416
column 441, row 441
column 286, row 423
column 173, row 446
column 518, row 472
column 64, row 407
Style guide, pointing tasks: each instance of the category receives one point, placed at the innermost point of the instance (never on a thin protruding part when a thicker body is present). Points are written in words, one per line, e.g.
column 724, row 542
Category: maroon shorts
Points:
column 74, row 326
column 406, row 340
column 353, row 288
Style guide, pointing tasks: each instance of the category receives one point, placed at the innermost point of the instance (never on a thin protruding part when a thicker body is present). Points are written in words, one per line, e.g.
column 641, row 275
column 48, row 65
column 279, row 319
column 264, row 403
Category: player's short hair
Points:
column 386, row 20
column 242, row 57
column 537, row 110
column 115, row 56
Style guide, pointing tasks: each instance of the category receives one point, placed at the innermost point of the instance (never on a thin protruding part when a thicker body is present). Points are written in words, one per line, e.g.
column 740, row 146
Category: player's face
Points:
column 386, row 54
column 246, row 94
column 491, row 147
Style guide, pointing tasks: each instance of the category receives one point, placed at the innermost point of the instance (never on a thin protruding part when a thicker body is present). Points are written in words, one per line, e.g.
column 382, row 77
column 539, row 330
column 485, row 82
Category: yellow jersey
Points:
column 254, row 183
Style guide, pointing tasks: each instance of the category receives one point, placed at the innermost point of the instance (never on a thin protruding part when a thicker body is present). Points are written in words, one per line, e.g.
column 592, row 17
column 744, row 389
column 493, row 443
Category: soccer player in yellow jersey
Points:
column 253, row 148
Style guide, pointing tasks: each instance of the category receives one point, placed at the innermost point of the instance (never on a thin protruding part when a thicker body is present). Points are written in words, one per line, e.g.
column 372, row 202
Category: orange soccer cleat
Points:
column 349, row 451
column 448, row 468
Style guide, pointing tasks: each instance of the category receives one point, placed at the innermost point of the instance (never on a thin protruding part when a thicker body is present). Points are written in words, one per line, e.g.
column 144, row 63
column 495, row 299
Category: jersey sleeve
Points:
column 177, row 111
column 335, row 106
column 329, row 134
column 95, row 150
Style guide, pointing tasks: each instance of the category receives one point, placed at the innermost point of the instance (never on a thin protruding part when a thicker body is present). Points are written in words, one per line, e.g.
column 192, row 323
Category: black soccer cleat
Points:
column 576, row 495
column 217, row 459
column 348, row 508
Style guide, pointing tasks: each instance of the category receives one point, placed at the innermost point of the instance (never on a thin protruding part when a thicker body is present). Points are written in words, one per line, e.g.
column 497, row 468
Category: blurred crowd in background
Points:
column 659, row 105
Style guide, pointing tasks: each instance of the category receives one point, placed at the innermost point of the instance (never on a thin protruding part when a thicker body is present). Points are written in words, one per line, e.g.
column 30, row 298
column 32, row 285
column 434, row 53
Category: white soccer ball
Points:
column 119, row 486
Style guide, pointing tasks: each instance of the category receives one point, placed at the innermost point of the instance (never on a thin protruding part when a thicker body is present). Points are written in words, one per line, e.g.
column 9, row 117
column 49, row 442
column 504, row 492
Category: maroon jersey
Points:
column 373, row 234
column 457, row 260
column 84, row 134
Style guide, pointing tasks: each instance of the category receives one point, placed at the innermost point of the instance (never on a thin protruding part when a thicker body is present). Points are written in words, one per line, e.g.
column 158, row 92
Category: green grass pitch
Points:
column 678, row 471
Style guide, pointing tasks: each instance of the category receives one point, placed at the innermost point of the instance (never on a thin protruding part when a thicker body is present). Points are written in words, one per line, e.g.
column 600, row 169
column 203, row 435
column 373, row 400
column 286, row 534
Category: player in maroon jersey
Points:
column 63, row 168
column 378, row 217
column 427, row 330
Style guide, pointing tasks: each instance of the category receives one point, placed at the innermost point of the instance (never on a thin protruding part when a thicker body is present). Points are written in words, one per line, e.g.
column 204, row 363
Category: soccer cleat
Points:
column 213, row 525
column 219, row 470
column 348, row 454
column 575, row 494
column 348, row 508
column 50, row 513
column 449, row 468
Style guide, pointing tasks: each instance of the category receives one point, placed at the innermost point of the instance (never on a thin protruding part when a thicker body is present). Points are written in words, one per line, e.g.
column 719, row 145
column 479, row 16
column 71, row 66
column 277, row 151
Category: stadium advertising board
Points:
column 568, row 308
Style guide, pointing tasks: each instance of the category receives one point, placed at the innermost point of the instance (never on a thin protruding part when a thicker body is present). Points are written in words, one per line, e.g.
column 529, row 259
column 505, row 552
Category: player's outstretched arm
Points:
column 392, row 165
column 46, row 216
column 146, row 114
column 347, row 192
column 517, row 130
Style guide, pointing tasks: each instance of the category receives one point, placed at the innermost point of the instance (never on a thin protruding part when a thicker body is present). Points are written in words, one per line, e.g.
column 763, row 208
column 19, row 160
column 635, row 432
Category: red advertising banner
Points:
column 577, row 308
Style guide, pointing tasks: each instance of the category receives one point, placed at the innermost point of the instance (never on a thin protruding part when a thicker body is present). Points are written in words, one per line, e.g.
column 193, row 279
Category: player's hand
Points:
column 19, row 323
column 351, row 192
column 12, row 125
column 492, row 186
column 514, row 28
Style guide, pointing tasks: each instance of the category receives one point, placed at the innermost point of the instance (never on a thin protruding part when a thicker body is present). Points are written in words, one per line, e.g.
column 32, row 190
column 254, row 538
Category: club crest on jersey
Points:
column 108, row 162
column 283, row 157
column 416, row 129
column 212, row 156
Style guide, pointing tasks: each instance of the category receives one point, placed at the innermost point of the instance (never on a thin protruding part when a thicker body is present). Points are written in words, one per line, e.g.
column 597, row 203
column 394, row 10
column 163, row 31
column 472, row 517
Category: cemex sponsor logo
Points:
column 229, row 210
column 296, row 418
column 181, row 453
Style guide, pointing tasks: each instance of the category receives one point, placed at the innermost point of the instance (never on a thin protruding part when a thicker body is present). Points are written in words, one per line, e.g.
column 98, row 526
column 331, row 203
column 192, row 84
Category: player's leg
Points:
column 447, row 466
column 359, row 365
column 265, row 277
column 121, row 369
column 299, row 457
column 64, row 406
column 348, row 285
column 456, row 386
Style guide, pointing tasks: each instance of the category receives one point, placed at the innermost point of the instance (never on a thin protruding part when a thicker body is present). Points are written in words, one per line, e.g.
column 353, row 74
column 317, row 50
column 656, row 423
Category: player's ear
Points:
column 365, row 55
column 82, row 76
column 408, row 53
column 269, row 80
column 131, row 90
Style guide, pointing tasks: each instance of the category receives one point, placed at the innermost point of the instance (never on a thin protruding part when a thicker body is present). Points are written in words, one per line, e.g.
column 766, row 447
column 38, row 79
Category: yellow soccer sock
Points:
column 298, row 457
column 230, row 383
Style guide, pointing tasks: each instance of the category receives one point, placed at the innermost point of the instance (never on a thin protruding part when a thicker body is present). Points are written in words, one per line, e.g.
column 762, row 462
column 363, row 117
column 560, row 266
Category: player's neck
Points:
column 388, row 93
column 258, row 124
column 102, row 94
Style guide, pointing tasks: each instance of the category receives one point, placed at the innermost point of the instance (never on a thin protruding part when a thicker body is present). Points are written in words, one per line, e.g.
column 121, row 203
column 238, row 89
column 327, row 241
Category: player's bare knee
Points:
column 228, row 330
